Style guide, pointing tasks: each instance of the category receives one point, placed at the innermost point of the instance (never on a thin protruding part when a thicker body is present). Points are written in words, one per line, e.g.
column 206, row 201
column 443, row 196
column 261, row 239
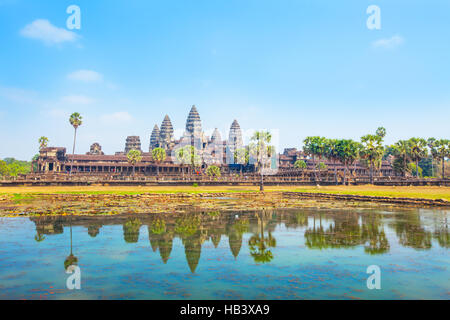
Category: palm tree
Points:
column 347, row 153
column 381, row 132
column 159, row 155
column 76, row 121
column 241, row 157
column 402, row 149
column 134, row 156
column 301, row 165
column 180, row 155
column 372, row 151
column 314, row 147
column 431, row 143
column 443, row 151
column 331, row 152
column 418, row 151
column 43, row 141
column 262, row 151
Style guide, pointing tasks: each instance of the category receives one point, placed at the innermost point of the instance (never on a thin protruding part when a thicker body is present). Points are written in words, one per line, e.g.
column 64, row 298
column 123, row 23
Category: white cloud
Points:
column 77, row 99
column 389, row 43
column 43, row 30
column 121, row 117
column 85, row 76
column 18, row 95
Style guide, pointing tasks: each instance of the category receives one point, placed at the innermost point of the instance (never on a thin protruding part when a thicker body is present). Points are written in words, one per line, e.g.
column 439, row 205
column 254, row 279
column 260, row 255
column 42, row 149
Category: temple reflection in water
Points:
column 321, row 230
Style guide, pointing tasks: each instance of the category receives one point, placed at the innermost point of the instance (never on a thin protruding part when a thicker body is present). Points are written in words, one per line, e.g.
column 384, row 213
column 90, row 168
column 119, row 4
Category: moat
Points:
column 295, row 253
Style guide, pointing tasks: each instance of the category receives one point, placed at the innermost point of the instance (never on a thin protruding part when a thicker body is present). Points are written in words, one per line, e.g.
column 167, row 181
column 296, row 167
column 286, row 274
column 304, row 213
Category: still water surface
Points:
column 278, row 254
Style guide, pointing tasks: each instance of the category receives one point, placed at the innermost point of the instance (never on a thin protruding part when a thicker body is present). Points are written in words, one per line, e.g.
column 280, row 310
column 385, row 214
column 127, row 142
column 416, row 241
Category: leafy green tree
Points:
column 262, row 152
column 241, row 157
column 4, row 170
column 213, row 171
column 442, row 152
column 158, row 155
column 300, row 164
column 347, row 154
column 75, row 120
column 134, row 157
column 43, row 141
column 372, row 151
column 418, row 151
column 315, row 148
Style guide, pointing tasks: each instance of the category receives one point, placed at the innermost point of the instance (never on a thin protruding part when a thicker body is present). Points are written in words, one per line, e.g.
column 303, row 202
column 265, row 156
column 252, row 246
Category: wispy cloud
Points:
column 121, row 117
column 18, row 95
column 85, row 76
column 43, row 30
column 77, row 99
column 389, row 43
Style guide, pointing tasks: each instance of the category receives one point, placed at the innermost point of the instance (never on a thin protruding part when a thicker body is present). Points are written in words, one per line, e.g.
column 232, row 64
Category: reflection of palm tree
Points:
column 71, row 259
column 410, row 231
column 259, row 244
column 94, row 230
column 39, row 237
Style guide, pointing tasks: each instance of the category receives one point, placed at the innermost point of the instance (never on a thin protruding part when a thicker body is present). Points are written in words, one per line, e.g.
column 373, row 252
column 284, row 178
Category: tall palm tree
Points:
column 180, row 155
column 76, row 121
column 443, row 151
column 315, row 147
column 159, row 155
column 134, row 157
column 300, row 164
column 431, row 143
column 262, row 151
column 402, row 149
column 418, row 151
column 372, row 151
column 347, row 152
column 43, row 141
column 241, row 157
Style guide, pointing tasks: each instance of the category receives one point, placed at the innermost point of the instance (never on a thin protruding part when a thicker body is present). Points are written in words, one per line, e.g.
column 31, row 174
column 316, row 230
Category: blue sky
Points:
column 303, row 68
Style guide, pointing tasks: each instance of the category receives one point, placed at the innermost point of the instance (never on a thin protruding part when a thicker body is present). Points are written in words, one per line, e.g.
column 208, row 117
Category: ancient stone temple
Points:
column 234, row 141
column 166, row 134
column 154, row 138
column 96, row 149
column 133, row 143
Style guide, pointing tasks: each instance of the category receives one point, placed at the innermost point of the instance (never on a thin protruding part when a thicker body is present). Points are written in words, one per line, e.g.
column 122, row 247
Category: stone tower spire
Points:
column 166, row 134
column 133, row 142
column 154, row 138
column 216, row 137
column 193, row 123
column 234, row 141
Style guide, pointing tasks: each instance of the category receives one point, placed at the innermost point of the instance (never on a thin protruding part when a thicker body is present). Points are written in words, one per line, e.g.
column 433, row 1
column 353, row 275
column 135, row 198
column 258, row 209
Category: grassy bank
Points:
column 385, row 191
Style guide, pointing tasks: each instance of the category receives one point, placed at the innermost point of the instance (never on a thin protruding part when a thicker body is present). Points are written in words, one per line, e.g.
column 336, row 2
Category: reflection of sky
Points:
column 111, row 268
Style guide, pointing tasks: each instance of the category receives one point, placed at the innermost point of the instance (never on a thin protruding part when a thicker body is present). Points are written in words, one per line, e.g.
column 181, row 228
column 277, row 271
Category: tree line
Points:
column 370, row 151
